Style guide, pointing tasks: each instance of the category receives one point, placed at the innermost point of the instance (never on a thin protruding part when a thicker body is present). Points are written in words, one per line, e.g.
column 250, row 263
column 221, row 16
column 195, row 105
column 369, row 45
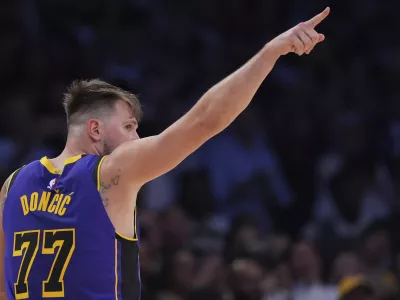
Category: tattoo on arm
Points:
column 104, row 187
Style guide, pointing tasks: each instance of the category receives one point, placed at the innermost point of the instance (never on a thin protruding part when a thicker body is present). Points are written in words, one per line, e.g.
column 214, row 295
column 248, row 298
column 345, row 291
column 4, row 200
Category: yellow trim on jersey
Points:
column 45, row 161
column 10, row 179
column 98, row 172
column 116, row 270
column 73, row 159
column 126, row 238
column 135, row 235
column 49, row 166
column 134, row 224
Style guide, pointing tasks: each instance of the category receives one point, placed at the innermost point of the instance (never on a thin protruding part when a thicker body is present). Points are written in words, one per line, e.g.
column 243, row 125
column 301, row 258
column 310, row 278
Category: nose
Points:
column 136, row 136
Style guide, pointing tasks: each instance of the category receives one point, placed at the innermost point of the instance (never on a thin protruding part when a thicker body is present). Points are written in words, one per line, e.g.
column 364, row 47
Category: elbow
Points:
column 210, row 124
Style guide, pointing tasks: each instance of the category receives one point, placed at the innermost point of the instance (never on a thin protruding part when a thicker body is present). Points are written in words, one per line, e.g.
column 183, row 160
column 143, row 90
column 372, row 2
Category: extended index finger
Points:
column 319, row 18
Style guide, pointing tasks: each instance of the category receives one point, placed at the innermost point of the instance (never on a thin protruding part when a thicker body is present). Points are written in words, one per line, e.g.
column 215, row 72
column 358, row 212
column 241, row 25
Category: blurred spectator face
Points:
column 183, row 271
column 151, row 228
column 176, row 227
column 270, row 284
column 280, row 279
column 376, row 247
column 305, row 262
column 247, row 276
column 278, row 245
column 346, row 264
column 246, row 236
column 149, row 262
column 248, row 242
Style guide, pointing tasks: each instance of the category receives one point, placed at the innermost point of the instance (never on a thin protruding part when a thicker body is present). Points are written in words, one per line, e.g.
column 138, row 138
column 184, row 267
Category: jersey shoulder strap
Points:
column 96, row 171
column 11, row 179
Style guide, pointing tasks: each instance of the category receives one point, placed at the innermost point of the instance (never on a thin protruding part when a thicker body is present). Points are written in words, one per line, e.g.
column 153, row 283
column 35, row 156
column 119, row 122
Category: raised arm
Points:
column 140, row 161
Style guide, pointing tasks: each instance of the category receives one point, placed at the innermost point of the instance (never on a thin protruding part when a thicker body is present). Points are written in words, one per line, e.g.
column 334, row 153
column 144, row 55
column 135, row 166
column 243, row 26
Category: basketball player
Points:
column 67, row 229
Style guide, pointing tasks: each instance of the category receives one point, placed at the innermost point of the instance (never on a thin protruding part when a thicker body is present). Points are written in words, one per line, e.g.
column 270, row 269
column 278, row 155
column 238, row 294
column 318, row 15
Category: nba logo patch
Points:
column 52, row 183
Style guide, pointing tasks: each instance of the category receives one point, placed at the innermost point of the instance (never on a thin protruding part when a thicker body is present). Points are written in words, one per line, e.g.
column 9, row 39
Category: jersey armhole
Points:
column 96, row 172
column 12, row 178
column 97, row 180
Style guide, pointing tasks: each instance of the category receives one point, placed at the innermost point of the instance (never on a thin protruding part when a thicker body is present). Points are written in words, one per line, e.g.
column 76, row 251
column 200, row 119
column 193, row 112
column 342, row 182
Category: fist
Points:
column 302, row 38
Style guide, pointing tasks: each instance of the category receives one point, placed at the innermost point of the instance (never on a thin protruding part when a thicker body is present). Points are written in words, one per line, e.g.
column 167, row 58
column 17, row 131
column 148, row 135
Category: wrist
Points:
column 272, row 49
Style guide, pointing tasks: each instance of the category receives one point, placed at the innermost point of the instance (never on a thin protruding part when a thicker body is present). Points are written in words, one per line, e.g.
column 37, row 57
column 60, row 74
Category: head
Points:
column 101, row 114
column 246, row 278
column 376, row 245
column 306, row 262
column 346, row 264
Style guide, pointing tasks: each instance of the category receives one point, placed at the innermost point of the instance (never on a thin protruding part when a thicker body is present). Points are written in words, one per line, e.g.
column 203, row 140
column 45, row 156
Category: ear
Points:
column 94, row 129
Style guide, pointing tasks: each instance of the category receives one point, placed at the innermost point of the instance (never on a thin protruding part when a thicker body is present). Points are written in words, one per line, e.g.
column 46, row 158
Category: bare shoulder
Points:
column 119, row 169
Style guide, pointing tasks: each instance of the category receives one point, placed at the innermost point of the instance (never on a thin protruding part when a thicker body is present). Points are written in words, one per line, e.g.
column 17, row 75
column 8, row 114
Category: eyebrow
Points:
column 134, row 121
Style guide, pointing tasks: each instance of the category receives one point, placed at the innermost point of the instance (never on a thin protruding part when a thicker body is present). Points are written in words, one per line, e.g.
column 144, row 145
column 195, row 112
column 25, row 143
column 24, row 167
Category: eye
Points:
column 129, row 127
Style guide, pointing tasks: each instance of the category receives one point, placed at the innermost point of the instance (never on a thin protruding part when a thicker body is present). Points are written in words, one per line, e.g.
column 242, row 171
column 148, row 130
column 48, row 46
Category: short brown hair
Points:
column 87, row 96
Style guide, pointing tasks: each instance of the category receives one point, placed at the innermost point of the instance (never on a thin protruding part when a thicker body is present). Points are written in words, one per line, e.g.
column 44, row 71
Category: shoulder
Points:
column 5, row 188
column 108, row 173
column 3, row 193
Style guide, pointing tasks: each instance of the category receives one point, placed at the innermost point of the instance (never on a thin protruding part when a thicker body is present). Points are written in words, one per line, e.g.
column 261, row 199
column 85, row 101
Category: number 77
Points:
column 63, row 239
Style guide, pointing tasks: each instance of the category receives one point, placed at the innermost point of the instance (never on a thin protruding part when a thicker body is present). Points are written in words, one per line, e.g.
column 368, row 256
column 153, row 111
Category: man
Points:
column 67, row 221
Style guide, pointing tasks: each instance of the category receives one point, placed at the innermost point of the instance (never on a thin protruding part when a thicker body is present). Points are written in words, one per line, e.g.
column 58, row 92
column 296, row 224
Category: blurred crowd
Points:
column 298, row 199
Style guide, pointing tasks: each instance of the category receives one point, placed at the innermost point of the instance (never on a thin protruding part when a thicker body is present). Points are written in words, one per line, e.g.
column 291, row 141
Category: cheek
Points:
column 114, row 137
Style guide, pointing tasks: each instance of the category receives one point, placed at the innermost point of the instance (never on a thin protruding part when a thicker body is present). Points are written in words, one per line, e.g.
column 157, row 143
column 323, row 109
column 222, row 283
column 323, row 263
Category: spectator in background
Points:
column 307, row 272
column 245, row 173
column 347, row 209
column 350, row 141
column 356, row 288
column 277, row 284
column 346, row 264
column 319, row 164
column 246, row 279
column 376, row 255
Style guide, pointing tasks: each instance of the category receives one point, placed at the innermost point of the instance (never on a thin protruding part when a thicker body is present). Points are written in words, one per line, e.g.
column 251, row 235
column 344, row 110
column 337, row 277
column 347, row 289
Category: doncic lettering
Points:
column 48, row 202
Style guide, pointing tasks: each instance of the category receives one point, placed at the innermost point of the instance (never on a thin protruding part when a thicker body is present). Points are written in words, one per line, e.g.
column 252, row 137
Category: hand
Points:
column 302, row 38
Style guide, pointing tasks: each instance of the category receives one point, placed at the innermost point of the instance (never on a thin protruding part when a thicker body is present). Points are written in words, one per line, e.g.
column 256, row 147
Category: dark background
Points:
column 300, row 192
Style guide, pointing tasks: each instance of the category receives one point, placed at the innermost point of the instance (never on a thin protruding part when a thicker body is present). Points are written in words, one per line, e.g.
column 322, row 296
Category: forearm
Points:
column 226, row 100
column 220, row 105
column 151, row 157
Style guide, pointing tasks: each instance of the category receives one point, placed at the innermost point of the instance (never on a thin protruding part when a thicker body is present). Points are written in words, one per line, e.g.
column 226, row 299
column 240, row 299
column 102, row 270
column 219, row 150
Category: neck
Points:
column 74, row 146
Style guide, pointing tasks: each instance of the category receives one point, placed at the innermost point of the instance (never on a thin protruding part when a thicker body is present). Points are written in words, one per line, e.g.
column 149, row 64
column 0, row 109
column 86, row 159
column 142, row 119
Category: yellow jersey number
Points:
column 63, row 239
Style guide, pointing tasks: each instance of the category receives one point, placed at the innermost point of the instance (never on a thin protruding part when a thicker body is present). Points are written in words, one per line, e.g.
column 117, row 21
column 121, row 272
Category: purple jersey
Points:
column 60, row 242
